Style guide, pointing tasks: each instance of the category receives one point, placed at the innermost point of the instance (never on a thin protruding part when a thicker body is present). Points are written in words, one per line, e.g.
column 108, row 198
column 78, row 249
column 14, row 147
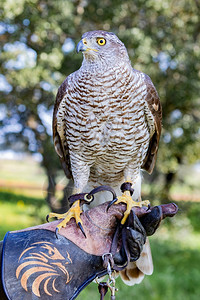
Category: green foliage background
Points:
column 163, row 40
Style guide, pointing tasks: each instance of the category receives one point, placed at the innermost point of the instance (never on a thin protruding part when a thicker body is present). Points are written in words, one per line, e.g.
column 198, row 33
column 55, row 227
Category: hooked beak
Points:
column 81, row 47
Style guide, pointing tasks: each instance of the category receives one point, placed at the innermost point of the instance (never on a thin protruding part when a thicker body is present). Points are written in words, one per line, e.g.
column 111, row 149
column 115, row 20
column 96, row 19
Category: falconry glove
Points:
column 37, row 265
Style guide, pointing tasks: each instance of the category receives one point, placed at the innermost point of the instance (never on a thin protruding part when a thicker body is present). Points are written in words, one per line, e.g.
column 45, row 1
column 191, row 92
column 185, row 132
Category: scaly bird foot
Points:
column 74, row 212
column 127, row 199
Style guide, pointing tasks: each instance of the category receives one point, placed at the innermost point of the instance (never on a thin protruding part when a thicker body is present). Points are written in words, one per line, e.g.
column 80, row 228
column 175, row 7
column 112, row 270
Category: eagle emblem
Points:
column 41, row 266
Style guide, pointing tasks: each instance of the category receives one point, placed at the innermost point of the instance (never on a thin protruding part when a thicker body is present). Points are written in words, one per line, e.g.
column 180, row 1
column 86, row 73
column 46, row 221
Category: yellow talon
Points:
column 127, row 199
column 74, row 212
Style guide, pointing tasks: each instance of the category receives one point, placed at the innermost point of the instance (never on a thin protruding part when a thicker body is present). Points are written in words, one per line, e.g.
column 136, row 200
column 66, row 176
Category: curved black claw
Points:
column 149, row 207
column 111, row 203
column 56, row 232
column 47, row 218
column 81, row 228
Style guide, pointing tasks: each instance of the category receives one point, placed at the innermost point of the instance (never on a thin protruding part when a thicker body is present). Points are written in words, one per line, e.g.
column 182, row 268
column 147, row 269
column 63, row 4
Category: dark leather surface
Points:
column 36, row 266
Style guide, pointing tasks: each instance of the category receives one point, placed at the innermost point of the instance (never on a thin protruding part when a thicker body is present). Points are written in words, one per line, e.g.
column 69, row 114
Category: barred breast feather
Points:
column 107, row 121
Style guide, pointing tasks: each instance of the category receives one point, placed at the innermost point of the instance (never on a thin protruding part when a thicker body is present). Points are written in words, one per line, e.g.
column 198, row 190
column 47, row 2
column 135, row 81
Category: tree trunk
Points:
column 165, row 193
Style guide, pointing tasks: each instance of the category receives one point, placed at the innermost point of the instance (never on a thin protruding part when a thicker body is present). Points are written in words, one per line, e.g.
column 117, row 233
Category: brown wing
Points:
column 155, row 108
column 61, row 149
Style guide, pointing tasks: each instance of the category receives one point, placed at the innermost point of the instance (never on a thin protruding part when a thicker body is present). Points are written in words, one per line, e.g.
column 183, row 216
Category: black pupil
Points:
column 101, row 41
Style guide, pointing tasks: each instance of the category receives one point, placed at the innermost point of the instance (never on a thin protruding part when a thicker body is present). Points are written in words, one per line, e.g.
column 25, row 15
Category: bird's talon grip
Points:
column 111, row 203
column 56, row 232
column 81, row 228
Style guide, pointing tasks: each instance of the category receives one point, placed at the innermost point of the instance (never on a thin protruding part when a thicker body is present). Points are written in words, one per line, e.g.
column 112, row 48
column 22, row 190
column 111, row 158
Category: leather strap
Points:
column 87, row 198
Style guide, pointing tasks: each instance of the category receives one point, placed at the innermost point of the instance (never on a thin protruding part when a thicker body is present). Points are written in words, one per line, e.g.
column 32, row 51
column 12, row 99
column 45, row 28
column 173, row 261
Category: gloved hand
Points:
column 38, row 266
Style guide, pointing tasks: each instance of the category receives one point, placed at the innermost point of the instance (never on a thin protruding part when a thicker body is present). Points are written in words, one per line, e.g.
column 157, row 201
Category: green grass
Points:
column 22, row 171
column 20, row 211
column 23, row 177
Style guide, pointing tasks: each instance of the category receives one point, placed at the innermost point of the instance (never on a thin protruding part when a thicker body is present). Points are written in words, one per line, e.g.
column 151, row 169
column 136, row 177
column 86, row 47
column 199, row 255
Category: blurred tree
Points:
column 37, row 41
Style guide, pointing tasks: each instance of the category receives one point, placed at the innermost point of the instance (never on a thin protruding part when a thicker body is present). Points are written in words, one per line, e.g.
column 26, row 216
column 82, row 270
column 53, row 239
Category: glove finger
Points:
column 151, row 221
column 135, row 241
column 134, row 223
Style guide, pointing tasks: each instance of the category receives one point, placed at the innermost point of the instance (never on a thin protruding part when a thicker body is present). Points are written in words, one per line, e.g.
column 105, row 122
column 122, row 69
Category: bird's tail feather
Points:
column 135, row 271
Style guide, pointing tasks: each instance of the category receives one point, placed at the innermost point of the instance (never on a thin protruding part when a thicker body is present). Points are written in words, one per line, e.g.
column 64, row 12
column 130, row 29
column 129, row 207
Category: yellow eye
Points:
column 101, row 41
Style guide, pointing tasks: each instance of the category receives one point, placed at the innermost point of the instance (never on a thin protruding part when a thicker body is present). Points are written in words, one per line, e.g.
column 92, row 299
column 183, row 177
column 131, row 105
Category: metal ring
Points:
column 90, row 199
column 108, row 253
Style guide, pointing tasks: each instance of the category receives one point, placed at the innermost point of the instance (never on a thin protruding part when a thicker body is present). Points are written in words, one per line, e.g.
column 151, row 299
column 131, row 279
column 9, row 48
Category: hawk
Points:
column 106, row 127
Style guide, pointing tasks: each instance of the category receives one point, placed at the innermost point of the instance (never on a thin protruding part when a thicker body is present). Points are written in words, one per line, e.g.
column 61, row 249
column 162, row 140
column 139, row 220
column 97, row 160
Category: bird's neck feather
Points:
column 101, row 66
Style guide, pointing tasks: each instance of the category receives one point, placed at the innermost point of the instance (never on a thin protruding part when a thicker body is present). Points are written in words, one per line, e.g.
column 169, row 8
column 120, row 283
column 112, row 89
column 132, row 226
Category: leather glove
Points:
column 38, row 266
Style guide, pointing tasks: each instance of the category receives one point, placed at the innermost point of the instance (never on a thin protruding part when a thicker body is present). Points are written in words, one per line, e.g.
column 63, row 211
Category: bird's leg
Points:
column 74, row 212
column 80, row 174
column 126, row 198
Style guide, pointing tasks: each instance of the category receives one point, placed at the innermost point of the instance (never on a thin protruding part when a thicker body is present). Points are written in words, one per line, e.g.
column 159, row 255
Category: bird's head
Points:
column 102, row 46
